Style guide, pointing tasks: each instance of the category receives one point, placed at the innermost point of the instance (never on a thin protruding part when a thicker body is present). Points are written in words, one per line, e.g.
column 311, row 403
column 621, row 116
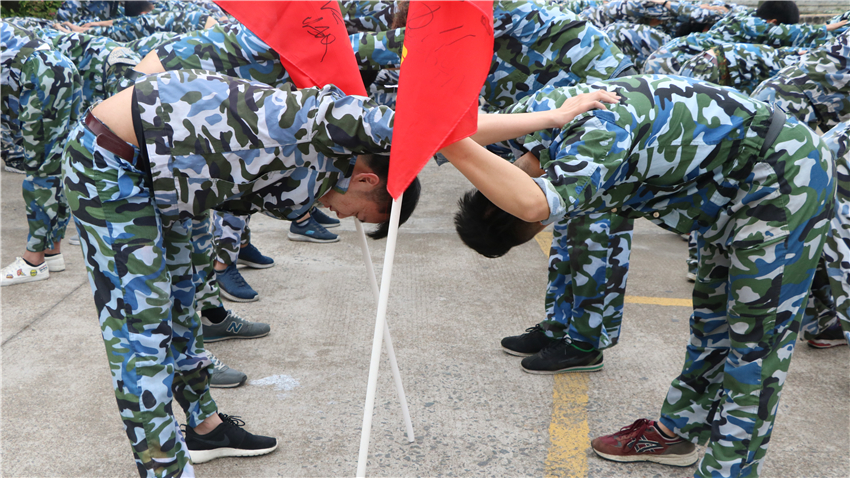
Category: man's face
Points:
column 355, row 203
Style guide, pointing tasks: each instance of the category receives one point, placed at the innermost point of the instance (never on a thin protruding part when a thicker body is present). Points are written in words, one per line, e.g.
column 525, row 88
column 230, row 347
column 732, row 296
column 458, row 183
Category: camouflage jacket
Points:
column 231, row 50
column 367, row 16
column 668, row 59
column 278, row 152
column 745, row 27
column 78, row 11
column 127, row 29
column 673, row 150
column 739, row 65
column 534, row 46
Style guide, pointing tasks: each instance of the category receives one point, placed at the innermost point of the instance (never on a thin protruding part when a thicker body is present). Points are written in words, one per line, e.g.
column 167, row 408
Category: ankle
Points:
column 208, row 425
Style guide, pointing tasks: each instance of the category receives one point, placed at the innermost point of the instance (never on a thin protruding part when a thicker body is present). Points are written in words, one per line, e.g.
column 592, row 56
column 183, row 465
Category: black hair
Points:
column 136, row 8
column 380, row 165
column 783, row 11
column 486, row 228
column 686, row 28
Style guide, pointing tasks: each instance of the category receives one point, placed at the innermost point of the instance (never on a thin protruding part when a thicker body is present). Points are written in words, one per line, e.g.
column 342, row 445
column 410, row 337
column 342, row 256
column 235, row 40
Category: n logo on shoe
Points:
column 234, row 327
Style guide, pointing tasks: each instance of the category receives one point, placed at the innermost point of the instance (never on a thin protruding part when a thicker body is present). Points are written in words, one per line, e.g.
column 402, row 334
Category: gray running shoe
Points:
column 234, row 327
column 224, row 376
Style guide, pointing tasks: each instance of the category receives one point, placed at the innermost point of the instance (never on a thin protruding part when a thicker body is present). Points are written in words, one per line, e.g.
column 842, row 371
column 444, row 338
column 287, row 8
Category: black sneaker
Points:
column 562, row 356
column 831, row 337
column 532, row 341
column 228, row 439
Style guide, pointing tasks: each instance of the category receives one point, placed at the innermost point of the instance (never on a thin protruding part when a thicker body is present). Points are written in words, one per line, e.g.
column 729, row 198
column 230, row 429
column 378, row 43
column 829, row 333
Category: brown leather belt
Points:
column 108, row 140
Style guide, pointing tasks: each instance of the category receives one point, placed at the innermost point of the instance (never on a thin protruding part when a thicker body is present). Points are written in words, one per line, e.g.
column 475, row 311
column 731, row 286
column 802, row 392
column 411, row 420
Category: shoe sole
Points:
column 203, row 456
column 329, row 226
column 14, row 170
column 827, row 344
column 253, row 265
column 233, row 298
column 229, row 385
column 228, row 337
column 670, row 460
column 25, row 280
column 58, row 267
column 583, row 368
column 691, row 277
column 515, row 353
column 74, row 242
column 301, row 238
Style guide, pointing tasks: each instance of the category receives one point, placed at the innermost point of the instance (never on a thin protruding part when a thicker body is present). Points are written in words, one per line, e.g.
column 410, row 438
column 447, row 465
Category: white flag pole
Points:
column 380, row 321
column 388, row 341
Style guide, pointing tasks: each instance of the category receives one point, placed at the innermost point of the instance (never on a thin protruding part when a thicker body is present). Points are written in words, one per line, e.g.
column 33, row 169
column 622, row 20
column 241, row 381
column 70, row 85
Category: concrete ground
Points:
column 475, row 413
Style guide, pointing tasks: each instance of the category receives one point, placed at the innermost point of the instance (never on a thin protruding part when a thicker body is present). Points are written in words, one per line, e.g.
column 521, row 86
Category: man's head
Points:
column 489, row 230
column 135, row 8
column 367, row 197
column 782, row 11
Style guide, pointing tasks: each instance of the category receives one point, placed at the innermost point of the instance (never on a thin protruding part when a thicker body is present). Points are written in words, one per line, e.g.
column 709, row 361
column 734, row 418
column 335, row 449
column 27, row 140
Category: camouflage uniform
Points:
column 534, row 46
column 367, row 16
column 41, row 97
column 230, row 234
column 816, row 90
column 145, row 45
column 836, row 252
column 687, row 156
column 743, row 26
column 78, row 11
column 127, row 29
column 231, row 50
column 588, row 267
column 636, row 40
column 739, row 65
column 668, row 59
column 137, row 231
column 102, row 63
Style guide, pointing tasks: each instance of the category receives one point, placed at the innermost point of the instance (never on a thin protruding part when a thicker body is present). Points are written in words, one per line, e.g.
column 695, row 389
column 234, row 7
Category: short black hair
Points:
column 136, row 8
column 380, row 165
column 486, row 228
column 783, row 11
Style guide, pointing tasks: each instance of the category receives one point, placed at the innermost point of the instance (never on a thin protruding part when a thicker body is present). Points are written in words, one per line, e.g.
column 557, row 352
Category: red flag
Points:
column 448, row 48
column 310, row 38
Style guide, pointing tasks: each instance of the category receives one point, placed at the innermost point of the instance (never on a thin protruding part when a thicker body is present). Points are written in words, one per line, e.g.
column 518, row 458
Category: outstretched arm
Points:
column 508, row 186
column 502, row 127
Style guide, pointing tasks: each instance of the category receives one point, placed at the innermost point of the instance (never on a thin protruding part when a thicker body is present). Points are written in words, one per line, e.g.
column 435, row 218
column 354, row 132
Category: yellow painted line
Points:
column 569, row 433
column 634, row 299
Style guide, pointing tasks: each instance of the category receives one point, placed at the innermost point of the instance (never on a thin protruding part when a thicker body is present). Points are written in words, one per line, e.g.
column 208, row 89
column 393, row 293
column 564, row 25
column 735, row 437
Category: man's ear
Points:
column 367, row 178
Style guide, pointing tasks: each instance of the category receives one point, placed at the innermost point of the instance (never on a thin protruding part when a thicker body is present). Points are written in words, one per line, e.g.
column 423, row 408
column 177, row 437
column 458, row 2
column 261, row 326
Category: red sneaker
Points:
column 641, row 441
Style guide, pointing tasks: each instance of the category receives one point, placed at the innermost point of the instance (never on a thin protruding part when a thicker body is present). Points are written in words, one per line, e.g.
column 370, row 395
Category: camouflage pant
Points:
column 836, row 252
column 588, row 267
column 693, row 253
column 142, row 279
column 806, row 101
column 748, row 304
column 206, row 288
column 230, row 233
column 50, row 98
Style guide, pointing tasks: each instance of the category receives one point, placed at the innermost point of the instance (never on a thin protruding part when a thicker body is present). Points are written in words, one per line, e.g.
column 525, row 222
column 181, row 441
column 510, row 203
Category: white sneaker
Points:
column 55, row 263
column 74, row 240
column 19, row 272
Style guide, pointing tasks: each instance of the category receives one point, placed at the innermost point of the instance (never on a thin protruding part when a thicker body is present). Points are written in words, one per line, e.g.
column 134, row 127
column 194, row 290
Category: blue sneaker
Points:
column 310, row 231
column 323, row 219
column 253, row 258
column 233, row 286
